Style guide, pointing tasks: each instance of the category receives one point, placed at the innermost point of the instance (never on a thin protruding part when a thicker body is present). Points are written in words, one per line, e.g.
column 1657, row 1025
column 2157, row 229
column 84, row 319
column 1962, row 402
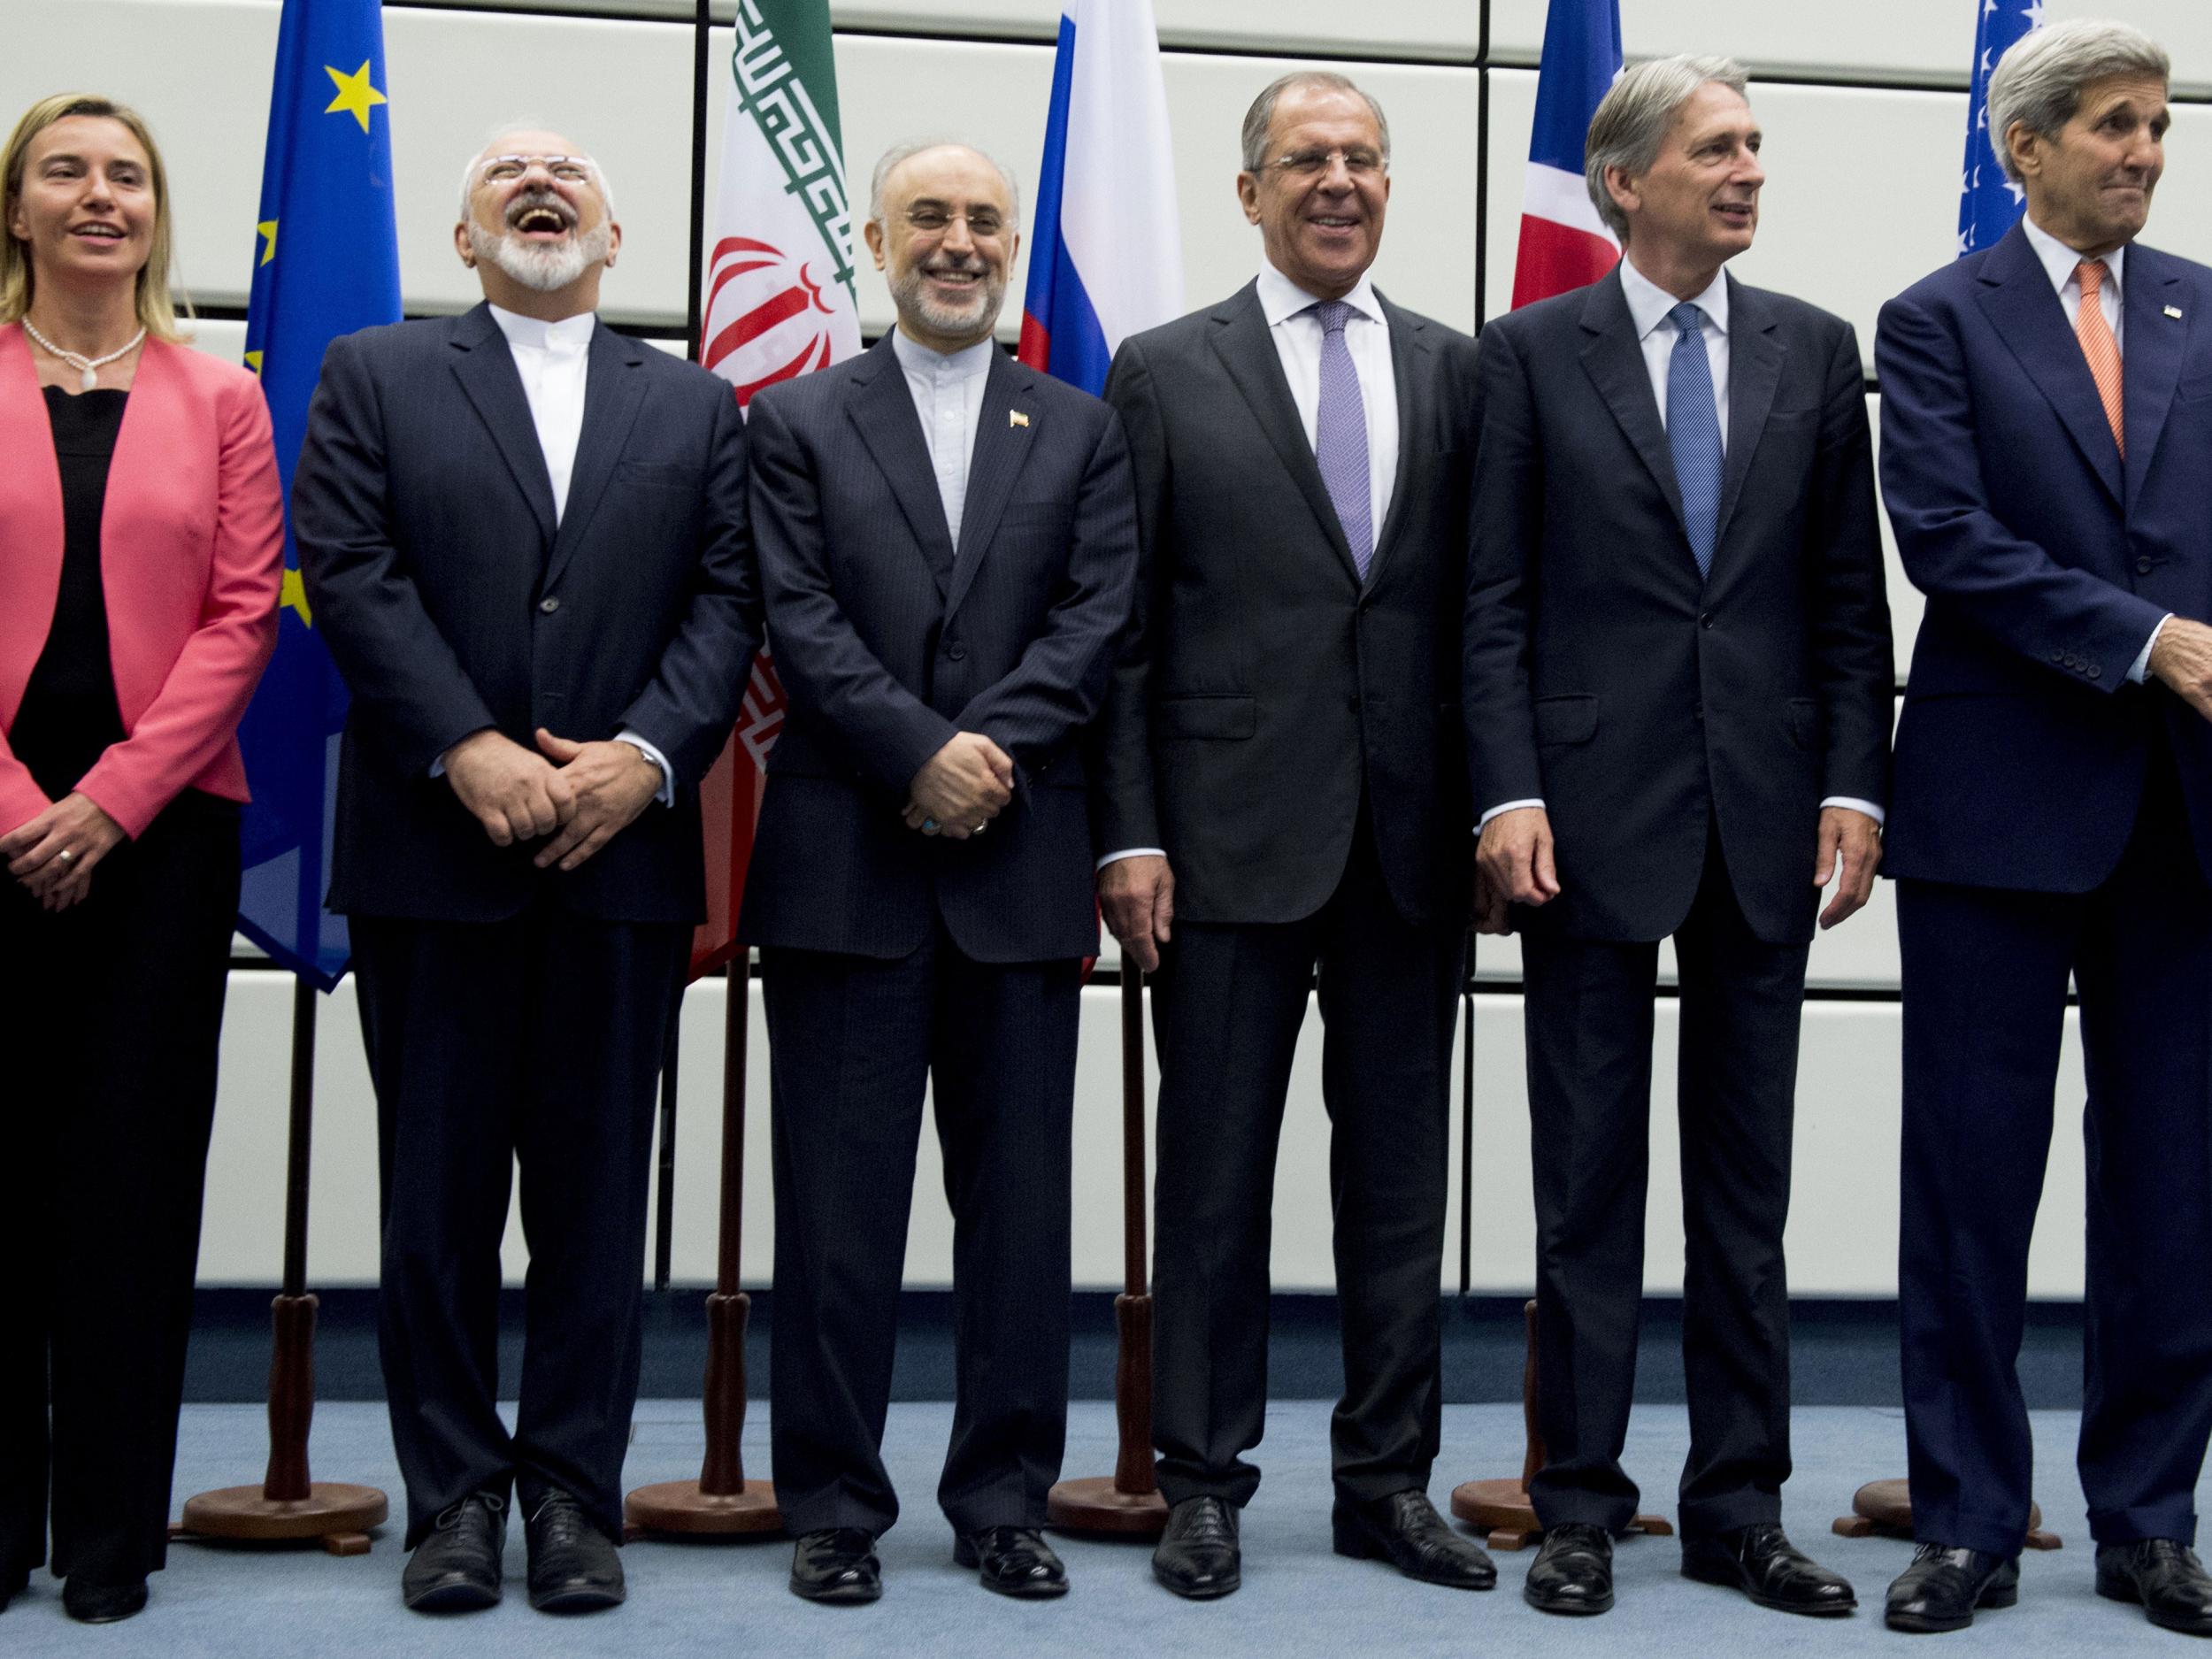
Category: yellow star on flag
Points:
column 355, row 95
column 267, row 228
column 253, row 361
column 294, row 596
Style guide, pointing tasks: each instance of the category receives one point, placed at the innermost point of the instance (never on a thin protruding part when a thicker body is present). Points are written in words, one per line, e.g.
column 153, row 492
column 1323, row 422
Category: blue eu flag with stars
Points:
column 1989, row 203
column 325, row 263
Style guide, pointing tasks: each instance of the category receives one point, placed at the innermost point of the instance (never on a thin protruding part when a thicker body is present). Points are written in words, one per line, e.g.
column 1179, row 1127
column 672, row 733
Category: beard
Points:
column 978, row 315
column 545, row 269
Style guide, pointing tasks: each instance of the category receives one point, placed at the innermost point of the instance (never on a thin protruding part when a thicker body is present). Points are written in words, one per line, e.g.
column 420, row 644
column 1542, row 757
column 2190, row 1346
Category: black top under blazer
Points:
column 424, row 516
column 888, row 642
column 1265, row 688
column 1643, row 704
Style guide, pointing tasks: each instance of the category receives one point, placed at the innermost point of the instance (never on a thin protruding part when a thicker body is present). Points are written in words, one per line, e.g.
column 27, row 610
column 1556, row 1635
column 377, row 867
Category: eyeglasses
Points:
column 1361, row 163
column 985, row 222
column 564, row 169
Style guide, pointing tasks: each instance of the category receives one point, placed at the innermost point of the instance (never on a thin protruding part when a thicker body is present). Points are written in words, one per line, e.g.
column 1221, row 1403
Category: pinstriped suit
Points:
column 889, row 957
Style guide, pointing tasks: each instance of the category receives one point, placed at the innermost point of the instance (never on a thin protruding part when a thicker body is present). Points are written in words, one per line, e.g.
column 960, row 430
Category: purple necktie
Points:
column 1340, row 437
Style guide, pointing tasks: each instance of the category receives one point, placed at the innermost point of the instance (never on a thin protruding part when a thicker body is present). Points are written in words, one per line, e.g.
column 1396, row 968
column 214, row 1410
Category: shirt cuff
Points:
column 1129, row 852
column 1857, row 805
column 2142, row 667
column 1507, row 806
column 666, row 794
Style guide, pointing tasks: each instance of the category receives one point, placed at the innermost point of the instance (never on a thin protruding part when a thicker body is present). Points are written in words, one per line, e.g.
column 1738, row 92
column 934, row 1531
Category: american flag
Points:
column 1989, row 203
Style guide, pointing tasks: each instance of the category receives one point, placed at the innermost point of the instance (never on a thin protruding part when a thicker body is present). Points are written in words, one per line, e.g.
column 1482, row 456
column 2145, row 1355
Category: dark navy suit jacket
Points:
column 889, row 641
column 1643, row 704
column 2046, row 560
column 425, row 519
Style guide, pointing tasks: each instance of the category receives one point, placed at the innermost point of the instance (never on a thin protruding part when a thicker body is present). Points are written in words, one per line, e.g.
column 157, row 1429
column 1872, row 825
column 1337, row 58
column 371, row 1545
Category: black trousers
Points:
column 109, row 1014
column 1588, row 1013
column 1228, row 1008
column 1985, row 1006
column 534, row 1041
column 853, row 1040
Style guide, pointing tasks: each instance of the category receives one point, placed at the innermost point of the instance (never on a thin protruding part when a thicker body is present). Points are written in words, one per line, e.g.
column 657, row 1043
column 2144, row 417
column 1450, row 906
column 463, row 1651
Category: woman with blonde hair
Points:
column 142, row 543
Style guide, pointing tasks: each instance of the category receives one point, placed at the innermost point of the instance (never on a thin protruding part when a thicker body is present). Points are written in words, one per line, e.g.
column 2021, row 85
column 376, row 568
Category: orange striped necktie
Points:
column 2098, row 346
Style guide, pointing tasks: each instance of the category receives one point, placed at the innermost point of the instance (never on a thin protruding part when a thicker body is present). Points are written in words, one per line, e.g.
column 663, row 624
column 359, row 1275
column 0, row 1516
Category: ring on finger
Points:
column 65, row 856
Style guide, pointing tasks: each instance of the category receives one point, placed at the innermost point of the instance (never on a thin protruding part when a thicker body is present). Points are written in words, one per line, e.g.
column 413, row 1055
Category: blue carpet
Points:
column 1298, row 1599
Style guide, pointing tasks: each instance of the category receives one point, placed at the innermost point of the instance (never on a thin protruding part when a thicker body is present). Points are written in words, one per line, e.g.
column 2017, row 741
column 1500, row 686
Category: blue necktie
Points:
column 1340, row 436
column 1694, row 432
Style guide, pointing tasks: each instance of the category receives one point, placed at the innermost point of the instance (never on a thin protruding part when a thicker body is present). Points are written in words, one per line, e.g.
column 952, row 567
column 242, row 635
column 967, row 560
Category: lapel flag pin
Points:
column 1015, row 418
column 2173, row 311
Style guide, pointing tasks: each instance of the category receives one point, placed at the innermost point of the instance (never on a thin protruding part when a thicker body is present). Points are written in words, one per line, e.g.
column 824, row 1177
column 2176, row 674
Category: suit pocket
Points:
column 2196, row 386
column 662, row 474
column 1805, row 723
column 1568, row 719
column 1219, row 717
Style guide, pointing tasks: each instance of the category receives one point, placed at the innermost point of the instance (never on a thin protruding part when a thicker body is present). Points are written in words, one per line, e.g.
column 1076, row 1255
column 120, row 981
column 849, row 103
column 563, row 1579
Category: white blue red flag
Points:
column 1988, row 201
column 1105, row 260
column 1564, row 244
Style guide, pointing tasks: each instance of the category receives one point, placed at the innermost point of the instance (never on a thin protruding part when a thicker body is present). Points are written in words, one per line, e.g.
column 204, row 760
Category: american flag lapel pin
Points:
column 1015, row 418
column 2174, row 312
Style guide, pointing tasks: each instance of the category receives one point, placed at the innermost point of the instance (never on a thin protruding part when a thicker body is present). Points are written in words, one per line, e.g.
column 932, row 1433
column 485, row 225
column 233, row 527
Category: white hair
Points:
column 2038, row 83
column 468, row 171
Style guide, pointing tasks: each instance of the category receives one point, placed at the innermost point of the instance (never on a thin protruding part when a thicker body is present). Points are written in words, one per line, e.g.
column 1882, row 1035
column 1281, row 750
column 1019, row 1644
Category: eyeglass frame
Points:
column 1318, row 162
column 486, row 163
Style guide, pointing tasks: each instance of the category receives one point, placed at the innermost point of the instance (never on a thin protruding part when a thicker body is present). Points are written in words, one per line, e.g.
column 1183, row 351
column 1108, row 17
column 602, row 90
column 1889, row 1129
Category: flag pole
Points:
column 289, row 1504
column 722, row 1501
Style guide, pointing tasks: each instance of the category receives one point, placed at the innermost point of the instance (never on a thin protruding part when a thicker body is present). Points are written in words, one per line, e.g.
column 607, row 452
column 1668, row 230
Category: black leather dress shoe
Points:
column 838, row 1565
column 1405, row 1530
column 2165, row 1575
column 1944, row 1585
column 1198, row 1557
column 90, row 1603
column 1013, row 1561
column 1762, row 1563
column 1573, row 1570
column 456, row 1568
column 574, row 1567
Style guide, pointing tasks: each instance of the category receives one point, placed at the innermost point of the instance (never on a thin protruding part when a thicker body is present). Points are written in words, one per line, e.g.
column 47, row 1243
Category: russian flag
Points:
column 1105, row 260
column 1564, row 244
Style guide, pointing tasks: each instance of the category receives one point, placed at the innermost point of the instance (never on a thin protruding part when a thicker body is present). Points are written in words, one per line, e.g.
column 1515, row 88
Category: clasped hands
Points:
column 53, row 855
column 1514, row 863
column 960, row 788
column 588, row 792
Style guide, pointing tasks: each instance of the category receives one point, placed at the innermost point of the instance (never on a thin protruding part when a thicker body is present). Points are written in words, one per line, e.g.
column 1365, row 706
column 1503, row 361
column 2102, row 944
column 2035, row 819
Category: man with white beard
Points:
column 524, row 539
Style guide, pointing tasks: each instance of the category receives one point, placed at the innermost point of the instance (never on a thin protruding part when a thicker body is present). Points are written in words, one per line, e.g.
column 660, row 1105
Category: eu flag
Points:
column 325, row 263
column 1989, row 201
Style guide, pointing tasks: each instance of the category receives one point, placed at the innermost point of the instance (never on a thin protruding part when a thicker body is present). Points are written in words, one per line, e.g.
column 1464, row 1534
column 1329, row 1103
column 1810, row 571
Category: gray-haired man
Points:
column 1677, row 698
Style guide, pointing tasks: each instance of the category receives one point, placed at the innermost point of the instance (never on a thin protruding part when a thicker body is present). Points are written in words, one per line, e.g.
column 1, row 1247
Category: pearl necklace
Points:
column 88, row 368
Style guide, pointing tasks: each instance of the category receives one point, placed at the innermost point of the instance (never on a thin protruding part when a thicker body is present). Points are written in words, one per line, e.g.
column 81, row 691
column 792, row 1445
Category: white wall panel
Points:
column 1872, row 38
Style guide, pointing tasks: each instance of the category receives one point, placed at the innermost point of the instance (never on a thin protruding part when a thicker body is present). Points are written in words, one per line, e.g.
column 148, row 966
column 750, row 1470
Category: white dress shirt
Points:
column 553, row 360
column 947, row 394
column 1649, row 306
column 1298, row 334
column 2062, row 265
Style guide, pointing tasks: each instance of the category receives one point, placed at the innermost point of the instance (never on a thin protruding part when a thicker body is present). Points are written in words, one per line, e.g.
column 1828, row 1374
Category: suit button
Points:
column 957, row 652
column 2142, row 567
column 549, row 604
column 2093, row 671
column 1705, row 621
column 2058, row 656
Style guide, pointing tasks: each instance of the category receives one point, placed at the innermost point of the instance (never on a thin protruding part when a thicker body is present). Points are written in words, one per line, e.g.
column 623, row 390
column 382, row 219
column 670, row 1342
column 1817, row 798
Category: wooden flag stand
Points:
column 288, row 1505
column 1883, row 1508
column 1502, row 1506
column 721, row 1502
column 1127, row 1504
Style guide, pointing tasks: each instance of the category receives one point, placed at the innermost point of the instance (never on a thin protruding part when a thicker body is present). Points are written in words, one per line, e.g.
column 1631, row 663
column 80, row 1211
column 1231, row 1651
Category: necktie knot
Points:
column 2091, row 274
column 1332, row 315
column 1687, row 317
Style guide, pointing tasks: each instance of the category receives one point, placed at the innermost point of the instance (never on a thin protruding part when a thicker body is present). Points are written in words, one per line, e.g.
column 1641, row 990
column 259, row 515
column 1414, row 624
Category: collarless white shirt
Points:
column 947, row 393
column 553, row 360
column 1298, row 334
column 2062, row 265
column 1648, row 304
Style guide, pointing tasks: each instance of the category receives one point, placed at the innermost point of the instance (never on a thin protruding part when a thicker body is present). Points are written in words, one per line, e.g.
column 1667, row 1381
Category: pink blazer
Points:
column 192, row 559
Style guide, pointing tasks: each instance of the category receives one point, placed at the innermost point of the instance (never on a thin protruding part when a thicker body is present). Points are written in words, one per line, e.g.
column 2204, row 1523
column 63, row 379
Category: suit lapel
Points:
column 1755, row 369
column 2019, row 300
column 883, row 409
column 1614, row 360
column 1242, row 340
column 2154, row 345
column 1001, row 447
column 486, row 370
column 1410, row 355
column 613, row 391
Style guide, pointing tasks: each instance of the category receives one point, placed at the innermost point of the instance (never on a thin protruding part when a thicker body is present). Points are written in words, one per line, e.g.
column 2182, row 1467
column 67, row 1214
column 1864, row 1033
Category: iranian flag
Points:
column 778, row 302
